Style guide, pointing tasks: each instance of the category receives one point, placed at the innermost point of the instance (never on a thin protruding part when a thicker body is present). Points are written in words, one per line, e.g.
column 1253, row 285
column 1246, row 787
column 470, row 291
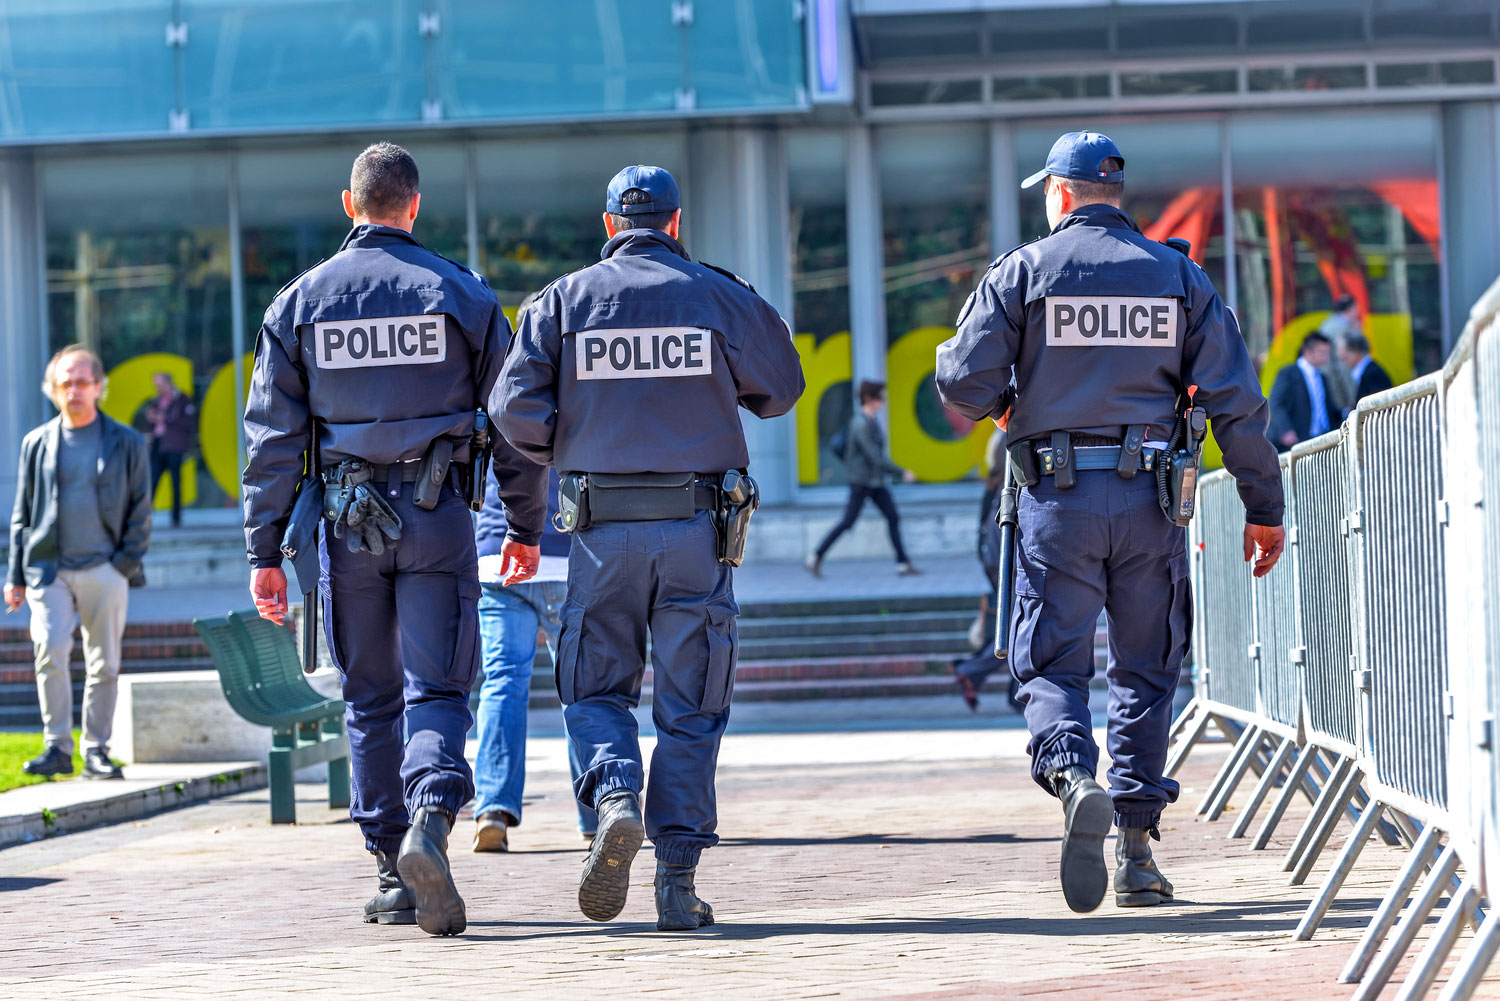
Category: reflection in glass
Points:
column 934, row 191
column 138, row 264
column 1329, row 208
column 541, row 204
column 820, row 289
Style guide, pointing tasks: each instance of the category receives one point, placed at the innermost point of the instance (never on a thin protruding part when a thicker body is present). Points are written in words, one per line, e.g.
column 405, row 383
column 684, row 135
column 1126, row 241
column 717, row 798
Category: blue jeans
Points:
column 508, row 621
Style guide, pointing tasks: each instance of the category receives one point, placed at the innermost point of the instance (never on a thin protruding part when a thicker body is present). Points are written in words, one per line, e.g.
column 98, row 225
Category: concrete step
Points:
column 869, row 624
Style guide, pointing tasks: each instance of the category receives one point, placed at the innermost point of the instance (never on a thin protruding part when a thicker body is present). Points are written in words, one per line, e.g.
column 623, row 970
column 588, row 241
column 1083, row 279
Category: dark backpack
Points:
column 838, row 445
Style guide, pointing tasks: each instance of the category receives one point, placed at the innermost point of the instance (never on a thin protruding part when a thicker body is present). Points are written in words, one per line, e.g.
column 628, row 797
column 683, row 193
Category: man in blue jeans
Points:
column 509, row 618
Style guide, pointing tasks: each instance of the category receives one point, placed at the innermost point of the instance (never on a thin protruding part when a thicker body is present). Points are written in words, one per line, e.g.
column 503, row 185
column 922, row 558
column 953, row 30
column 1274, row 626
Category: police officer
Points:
column 1097, row 333
column 627, row 376
column 375, row 361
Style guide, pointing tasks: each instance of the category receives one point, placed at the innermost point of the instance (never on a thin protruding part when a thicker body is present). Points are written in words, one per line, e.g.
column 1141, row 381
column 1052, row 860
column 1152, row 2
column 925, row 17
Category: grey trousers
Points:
column 96, row 599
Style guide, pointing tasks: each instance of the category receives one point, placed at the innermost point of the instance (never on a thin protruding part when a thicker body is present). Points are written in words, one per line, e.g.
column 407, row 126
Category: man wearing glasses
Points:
column 77, row 537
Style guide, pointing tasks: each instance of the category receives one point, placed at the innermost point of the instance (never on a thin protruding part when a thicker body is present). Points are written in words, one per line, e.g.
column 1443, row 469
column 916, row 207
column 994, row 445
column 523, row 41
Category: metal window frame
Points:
column 1117, row 103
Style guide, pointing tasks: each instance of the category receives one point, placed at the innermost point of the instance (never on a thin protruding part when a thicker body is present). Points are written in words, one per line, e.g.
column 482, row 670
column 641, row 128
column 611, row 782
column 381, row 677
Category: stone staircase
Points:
column 800, row 649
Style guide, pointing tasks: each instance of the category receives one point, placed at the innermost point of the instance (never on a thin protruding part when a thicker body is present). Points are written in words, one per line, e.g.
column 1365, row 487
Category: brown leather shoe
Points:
column 490, row 833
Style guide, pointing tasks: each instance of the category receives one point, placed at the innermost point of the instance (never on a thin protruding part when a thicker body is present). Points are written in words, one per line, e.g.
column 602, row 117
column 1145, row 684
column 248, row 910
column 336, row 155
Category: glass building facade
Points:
column 857, row 160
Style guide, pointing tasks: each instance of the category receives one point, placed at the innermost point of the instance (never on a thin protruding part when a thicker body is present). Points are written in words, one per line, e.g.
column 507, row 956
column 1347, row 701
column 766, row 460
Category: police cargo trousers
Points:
column 1103, row 544
column 403, row 631
column 623, row 579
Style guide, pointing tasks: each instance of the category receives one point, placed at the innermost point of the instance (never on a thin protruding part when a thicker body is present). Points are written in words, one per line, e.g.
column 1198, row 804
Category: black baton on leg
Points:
column 1007, row 519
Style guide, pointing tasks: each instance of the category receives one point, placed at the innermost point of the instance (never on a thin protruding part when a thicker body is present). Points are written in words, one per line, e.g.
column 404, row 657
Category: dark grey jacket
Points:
column 124, row 502
column 865, row 461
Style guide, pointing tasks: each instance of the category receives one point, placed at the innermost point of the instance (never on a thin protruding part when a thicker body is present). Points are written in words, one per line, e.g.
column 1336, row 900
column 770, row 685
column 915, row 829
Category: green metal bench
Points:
column 262, row 678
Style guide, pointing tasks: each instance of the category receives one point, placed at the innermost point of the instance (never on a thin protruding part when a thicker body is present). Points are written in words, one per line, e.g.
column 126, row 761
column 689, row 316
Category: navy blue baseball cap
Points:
column 654, row 181
column 1079, row 156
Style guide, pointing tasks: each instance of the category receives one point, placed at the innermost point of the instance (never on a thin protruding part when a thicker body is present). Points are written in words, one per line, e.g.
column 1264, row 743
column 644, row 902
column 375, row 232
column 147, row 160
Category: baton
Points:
column 1005, row 586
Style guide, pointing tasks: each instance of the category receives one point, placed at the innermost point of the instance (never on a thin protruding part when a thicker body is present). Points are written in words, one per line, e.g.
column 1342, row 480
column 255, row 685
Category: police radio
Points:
column 1177, row 478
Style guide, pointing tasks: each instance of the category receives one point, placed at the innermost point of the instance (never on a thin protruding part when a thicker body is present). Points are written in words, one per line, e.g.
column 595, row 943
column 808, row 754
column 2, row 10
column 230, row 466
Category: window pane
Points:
column 934, row 190
column 924, row 92
column 293, row 62
column 541, row 203
column 820, row 289
column 1185, row 82
column 1324, row 209
column 138, row 270
column 1050, row 88
column 1307, row 78
column 84, row 68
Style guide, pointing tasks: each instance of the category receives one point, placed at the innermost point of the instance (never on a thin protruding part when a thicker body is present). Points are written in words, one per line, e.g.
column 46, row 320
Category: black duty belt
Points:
column 1094, row 457
column 404, row 472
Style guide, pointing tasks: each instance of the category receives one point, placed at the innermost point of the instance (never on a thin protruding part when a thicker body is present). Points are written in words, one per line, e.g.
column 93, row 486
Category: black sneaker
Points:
column 96, row 765
column 53, row 761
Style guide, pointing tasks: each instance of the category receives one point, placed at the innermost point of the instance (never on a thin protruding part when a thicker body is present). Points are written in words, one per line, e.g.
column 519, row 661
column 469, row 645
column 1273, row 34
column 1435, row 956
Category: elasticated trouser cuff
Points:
column 1056, row 761
column 675, row 852
column 390, row 847
column 1138, row 818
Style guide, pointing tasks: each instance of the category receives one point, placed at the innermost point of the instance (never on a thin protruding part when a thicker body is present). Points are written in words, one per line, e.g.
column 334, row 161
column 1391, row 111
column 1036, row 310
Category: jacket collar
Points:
column 641, row 242
column 1097, row 214
column 374, row 235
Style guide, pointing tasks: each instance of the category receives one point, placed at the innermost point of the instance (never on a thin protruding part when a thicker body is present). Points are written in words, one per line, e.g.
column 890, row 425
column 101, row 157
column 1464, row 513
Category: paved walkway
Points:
column 862, row 857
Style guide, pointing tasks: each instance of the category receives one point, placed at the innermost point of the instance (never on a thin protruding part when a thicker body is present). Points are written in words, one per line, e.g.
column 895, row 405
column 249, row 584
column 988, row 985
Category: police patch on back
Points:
column 1113, row 321
column 379, row 341
column 644, row 352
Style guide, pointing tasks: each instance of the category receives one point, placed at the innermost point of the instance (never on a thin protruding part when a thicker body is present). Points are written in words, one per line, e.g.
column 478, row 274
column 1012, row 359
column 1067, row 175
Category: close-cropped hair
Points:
column 383, row 181
column 1088, row 192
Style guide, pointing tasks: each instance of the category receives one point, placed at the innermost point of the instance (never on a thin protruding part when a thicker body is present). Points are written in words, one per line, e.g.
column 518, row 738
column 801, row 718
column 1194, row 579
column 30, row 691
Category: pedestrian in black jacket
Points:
column 1368, row 374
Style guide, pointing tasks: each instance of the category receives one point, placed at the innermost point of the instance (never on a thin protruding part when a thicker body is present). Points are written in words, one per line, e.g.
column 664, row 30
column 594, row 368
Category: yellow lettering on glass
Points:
column 910, row 364
column 216, row 419
column 823, row 367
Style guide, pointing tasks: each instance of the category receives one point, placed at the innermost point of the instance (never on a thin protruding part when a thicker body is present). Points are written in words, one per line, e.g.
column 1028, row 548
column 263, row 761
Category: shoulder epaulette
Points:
column 728, row 274
column 297, row 279
column 458, row 264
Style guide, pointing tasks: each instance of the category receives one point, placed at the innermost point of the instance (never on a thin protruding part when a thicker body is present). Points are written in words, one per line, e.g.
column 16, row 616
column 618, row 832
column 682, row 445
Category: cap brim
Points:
column 1034, row 178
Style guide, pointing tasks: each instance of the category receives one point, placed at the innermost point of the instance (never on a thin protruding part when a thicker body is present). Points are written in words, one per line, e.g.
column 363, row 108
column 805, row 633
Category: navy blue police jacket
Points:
column 1097, row 327
column 639, row 363
column 384, row 347
column 492, row 528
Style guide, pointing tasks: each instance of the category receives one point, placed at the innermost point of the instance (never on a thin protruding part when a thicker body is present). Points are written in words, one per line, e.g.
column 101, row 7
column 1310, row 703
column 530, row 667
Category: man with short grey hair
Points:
column 79, row 531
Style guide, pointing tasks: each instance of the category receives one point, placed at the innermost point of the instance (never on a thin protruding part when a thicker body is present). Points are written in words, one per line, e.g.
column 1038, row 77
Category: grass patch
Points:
column 18, row 748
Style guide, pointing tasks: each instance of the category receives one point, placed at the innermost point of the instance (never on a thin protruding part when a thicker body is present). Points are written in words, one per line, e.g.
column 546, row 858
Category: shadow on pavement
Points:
column 1184, row 919
column 889, row 839
column 10, row 884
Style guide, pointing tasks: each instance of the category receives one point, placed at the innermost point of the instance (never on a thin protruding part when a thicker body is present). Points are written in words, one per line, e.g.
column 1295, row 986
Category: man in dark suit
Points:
column 1300, row 404
column 1368, row 375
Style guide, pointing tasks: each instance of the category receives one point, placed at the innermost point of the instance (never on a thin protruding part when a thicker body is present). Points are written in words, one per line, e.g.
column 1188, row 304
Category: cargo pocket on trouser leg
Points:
column 722, row 633
column 465, row 666
column 569, row 642
column 1025, row 621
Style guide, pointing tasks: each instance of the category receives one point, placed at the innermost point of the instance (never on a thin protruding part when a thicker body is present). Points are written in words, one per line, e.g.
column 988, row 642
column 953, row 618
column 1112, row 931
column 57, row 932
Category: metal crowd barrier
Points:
column 1364, row 670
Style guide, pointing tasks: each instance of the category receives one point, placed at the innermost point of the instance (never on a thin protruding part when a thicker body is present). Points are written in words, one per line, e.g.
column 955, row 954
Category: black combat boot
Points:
column 1087, row 816
column 1138, row 883
column 606, row 871
column 392, row 903
column 423, row 864
column 678, row 907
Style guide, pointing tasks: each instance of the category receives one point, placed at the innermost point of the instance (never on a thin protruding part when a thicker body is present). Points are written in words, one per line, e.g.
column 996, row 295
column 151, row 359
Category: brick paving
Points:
column 855, row 863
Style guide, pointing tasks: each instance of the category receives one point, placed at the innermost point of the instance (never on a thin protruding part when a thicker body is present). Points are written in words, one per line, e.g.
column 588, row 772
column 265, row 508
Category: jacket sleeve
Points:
column 277, row 425
column 136, row 536
column 767, row 369
column 523, row 483
column 523, row 404
column 1216, row 361
column 20, row 517
column 974, row 366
